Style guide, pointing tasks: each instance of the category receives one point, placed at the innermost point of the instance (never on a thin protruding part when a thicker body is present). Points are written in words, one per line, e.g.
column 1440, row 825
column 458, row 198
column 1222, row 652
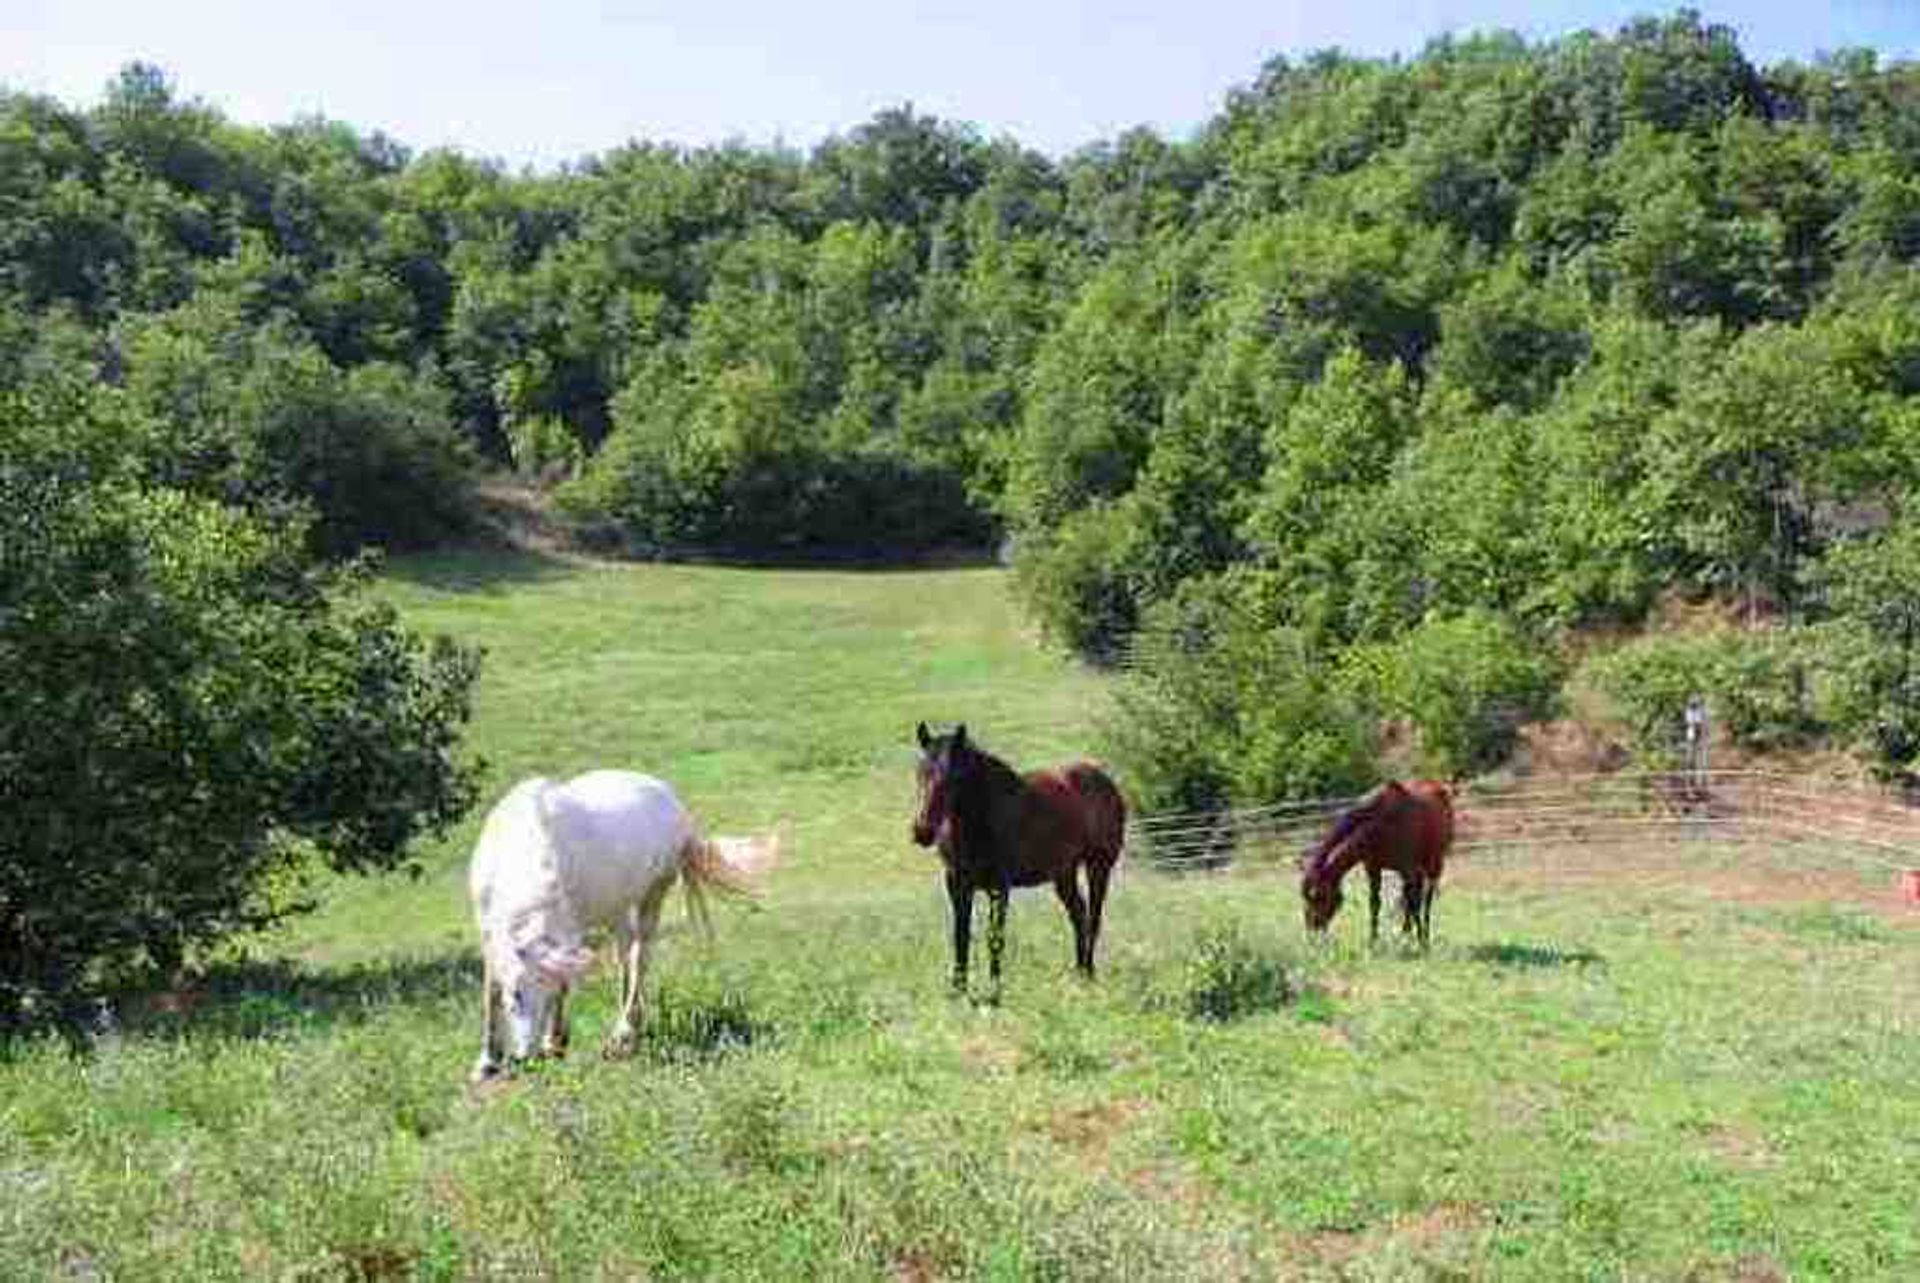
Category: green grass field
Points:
column 1658, row 1065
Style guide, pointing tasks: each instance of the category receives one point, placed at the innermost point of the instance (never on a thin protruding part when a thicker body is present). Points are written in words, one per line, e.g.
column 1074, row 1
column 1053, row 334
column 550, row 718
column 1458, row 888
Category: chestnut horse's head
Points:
column 1320, row 896
column 945, row 761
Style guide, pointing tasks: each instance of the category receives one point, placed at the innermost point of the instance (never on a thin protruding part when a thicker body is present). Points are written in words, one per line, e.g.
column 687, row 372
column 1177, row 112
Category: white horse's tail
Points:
column 730, row 865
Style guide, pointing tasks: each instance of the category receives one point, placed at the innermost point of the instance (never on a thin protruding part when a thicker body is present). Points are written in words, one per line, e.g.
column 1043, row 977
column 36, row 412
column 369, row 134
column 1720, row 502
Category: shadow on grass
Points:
column 1508, row 954
column 683, row 1027
column 476, row 570
column 257, row 998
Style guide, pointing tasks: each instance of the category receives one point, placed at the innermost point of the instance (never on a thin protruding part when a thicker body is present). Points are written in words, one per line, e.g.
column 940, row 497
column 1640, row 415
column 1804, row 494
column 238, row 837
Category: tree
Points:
column 188, row 713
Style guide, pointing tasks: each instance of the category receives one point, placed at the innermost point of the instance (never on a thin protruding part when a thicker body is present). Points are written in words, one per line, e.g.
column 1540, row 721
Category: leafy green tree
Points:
column 190, row 713
column 1873, row 674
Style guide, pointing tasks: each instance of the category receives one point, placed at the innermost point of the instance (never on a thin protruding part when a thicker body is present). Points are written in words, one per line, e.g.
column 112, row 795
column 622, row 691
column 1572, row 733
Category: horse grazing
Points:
column 557, row 860
column 1406, row 828
column 998, row 830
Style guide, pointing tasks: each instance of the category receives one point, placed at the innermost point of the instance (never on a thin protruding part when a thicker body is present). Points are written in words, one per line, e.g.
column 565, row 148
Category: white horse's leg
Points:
column 489, row 1063
column 559, row 1031
column 620, row 1041
column 636, row 949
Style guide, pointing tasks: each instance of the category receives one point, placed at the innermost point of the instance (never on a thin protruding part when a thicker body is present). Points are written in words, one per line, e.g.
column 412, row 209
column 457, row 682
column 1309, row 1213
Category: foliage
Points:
column 189, row 711
column 1466, row 684
column 1870, row 676
column 1222, row 708
column 1755, row 685
column 1543, row 329
column 1231, row 977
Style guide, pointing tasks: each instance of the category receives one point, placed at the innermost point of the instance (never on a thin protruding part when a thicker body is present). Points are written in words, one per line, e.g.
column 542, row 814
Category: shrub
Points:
column 1072, row 582
column 260, row 416
column 1222, row 707
column 1466, row 683
column 1228, row 978
column 1753, row 683
column 1871, row 646
column 186, row 712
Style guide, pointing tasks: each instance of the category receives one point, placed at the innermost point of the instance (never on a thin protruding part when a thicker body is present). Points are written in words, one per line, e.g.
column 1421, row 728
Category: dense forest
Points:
column 1344, row 419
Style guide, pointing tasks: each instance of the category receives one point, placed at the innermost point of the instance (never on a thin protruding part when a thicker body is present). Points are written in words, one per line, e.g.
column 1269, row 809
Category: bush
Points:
column 1223, row 708
column 1754, row 685
column 1228, row 978
column 721, row 470
column 1466, row 684
column 1073, row 584
column 186, row 712
column 1870, row 648
column 260, row 416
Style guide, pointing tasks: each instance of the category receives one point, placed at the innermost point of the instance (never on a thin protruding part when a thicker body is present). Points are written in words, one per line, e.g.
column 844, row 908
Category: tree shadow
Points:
column 1509, row 954
column 477, row 570
column 253, row 999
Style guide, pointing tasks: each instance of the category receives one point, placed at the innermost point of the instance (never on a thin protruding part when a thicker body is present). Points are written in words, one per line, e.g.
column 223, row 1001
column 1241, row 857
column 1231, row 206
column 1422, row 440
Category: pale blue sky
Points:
column 533, row 82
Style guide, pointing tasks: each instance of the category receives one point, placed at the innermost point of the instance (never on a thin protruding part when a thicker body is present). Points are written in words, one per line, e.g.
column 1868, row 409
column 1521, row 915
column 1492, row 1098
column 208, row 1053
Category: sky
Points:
column 541, row 82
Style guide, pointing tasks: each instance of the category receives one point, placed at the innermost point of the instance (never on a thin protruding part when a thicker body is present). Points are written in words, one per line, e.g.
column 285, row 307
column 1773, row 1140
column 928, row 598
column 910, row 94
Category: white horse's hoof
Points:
column 486, row 1070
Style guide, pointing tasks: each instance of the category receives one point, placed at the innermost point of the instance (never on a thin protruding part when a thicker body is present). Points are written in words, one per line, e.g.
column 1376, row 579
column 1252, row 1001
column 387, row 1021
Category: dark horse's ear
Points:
column 960, row 735
column 921, row 731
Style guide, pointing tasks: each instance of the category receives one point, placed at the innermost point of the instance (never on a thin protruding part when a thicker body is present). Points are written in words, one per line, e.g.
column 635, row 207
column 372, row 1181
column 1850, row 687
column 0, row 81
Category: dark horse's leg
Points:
column 1099, row 869
column 1426, row 911
column 960, row 893
column 1067, row 887
column 1373, row 903
column 997, row 932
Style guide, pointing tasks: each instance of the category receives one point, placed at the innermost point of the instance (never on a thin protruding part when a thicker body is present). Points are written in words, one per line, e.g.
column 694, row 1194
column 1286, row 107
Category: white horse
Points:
column 557, row 860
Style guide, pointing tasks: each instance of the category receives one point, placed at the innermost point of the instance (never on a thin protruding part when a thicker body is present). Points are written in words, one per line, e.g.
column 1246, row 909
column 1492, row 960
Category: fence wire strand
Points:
column 1854, row 823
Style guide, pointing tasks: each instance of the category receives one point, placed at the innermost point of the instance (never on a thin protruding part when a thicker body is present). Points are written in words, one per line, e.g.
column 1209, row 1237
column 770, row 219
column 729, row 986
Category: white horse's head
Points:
column 534, row 964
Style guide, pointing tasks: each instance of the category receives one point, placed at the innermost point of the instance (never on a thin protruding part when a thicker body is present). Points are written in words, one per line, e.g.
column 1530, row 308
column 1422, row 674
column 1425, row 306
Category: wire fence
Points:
column 1853, row 823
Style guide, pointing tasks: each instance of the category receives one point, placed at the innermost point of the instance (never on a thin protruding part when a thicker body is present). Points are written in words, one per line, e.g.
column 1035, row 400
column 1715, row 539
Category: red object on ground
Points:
column 1910, row 886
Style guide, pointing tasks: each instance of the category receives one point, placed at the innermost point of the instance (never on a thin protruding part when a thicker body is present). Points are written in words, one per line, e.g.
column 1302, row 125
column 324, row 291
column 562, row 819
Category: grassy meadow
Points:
column 1652, row 1065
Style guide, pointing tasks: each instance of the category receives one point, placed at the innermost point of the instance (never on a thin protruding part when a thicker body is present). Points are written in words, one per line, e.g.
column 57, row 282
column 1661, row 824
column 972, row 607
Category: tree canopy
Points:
column 1468, row 349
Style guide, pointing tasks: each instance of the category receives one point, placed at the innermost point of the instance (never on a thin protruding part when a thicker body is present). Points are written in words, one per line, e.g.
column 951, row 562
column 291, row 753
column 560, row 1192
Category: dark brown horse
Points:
column 998, row 830
column 1404, row 827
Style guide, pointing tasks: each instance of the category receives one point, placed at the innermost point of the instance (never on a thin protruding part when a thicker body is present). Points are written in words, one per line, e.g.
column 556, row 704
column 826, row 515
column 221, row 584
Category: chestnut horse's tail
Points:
column 1106, row 810
column 1438, row 822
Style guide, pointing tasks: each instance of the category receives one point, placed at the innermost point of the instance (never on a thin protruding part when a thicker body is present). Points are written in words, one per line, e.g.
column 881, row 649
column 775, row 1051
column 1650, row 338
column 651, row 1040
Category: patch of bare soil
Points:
column 1171, row 1183
column 994, row 1055
column 1751, row 1268
column 1091, row 1128
column 1419, row 1231
column 1737, row 1146
column 1760, row 886
column 916, row 1267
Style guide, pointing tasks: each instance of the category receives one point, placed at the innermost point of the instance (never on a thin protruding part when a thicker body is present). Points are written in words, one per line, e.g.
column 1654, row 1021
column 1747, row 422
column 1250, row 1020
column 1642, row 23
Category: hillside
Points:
column 1577, row 1080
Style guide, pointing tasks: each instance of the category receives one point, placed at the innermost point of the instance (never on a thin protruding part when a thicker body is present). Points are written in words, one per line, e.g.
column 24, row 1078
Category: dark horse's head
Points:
column 946, row 763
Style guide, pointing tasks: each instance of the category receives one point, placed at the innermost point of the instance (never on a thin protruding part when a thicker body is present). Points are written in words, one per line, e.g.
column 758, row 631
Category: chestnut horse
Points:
column 1406, row 828
column 998, row 830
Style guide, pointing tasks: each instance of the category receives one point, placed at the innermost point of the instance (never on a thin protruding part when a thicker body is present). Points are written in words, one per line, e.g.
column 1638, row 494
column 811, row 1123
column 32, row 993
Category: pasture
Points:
column 1660, row 1063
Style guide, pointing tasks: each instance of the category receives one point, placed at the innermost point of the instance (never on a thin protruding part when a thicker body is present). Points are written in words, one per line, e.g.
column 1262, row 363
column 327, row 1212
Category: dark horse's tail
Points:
column 1105, row 810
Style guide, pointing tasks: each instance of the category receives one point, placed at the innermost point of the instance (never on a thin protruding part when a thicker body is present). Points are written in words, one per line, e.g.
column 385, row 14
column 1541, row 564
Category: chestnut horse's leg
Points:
column 1067, row 887
column 1098, row 871
column 1373, row 902
column 960, row 893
